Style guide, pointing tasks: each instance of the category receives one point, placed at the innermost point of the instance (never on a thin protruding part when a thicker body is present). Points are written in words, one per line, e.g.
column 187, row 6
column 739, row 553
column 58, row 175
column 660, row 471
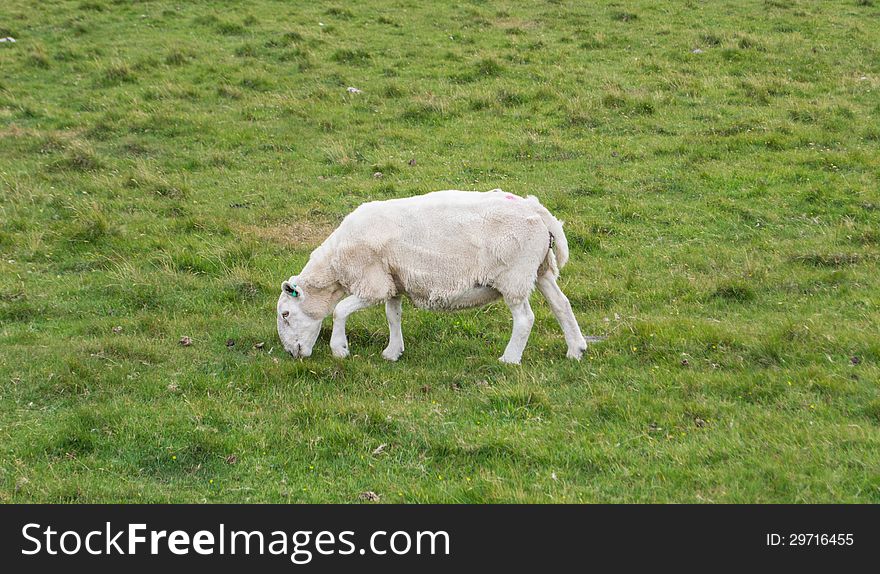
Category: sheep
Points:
column 445, row 250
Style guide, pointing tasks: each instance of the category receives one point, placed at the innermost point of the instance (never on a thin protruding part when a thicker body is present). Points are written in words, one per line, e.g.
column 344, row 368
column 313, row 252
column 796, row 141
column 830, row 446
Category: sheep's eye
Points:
column 285, row 314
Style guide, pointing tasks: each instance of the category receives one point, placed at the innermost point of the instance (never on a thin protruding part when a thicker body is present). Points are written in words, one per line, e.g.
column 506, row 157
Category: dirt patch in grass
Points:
column 830, row 259
column 54, row 138
column 308, row 233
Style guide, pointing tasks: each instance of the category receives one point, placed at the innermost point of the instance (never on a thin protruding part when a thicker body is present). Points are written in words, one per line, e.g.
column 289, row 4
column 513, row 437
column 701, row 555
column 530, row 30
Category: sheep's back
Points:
column 441, row 245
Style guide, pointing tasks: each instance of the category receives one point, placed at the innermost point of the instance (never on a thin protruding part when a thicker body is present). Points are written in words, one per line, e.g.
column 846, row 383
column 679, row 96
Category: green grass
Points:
column 165, row 165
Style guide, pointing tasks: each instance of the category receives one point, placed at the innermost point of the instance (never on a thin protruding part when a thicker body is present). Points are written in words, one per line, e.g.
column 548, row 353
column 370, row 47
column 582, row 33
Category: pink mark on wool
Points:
column 508, row 196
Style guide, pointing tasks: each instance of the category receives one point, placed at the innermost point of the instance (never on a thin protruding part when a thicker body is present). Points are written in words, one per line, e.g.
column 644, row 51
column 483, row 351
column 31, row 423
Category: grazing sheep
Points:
column 444, row 250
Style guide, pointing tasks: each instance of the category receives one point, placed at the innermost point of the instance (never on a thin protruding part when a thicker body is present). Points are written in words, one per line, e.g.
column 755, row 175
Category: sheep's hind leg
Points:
column 562, row 309
column 338, row 340
column 393, row 312
column 523, row 319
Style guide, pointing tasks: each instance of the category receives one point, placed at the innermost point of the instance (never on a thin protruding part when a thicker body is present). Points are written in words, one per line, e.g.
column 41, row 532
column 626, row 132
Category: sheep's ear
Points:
column 290, row 289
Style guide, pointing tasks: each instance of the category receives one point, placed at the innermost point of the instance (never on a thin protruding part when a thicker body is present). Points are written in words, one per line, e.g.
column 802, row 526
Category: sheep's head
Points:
column 297, row 327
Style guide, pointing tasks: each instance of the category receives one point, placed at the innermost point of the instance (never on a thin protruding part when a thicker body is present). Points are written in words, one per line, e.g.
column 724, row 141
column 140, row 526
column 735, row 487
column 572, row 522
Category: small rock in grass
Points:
column 696, row 51
column 185, row 341
column 699, row 422
column 369, row 495
column 412, row 162
column 230, row 343
column 260, row 345
column 379, row 449
column 116, row 330
column 353, row 90
column 378, row 175
column 685, row 363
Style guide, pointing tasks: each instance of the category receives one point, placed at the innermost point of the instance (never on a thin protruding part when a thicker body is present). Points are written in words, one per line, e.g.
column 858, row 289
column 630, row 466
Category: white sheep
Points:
column 445, row 250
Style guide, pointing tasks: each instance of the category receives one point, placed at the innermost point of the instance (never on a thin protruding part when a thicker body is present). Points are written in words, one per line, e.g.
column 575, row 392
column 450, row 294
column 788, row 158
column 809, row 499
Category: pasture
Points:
column 165, row 165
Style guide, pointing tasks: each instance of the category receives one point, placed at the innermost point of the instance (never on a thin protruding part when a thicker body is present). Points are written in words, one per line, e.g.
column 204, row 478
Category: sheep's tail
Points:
column 560, row 244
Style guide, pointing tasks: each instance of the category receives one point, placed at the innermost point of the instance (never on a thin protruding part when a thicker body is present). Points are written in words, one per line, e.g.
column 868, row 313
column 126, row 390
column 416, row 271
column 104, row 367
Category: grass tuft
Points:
column 177, row 57
column 78, row 156
column 735, row 290
column 354, row 57
column 38, row 58
column 118, row 73
column 89, row 224
column 231, row 28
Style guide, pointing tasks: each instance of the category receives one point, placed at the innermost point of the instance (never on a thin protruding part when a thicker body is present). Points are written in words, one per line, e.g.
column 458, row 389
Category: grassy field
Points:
column 165, row 165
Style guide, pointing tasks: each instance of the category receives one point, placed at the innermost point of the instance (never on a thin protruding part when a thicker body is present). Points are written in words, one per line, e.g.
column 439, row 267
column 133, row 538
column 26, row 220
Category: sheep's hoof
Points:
column 339, row 352
column 509, row 360
column 391, row 354
column 576, row 354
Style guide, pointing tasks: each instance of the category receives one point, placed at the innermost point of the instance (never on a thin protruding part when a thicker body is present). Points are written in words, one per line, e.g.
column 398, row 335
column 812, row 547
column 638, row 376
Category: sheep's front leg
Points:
column 338, row 340
column 523, row 319
column 562, row 309
column 393, row 312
